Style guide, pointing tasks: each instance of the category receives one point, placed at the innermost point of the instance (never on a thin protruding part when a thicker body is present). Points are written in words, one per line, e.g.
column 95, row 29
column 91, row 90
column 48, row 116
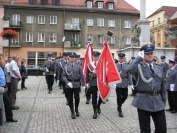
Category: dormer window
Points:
column 110, row 5
column 100, row 4
column 89, row 3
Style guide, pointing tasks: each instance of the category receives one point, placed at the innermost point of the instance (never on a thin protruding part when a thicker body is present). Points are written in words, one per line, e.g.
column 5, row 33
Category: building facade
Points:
column 59, row 26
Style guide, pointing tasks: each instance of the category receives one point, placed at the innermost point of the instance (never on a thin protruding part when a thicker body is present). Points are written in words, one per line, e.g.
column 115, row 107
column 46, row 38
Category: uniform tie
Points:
column 95, row 63
column 121, row 65
column 72, row 65
column 150, row 66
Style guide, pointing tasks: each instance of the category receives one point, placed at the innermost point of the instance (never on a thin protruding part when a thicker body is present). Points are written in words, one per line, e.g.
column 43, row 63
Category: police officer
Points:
column 91, row 83
column 171, row 81
column 72, row 76
column 151, row 94
column 164, row 64
column 49, row 67
column 122, row 88
column 78, row 61
column 64, row 62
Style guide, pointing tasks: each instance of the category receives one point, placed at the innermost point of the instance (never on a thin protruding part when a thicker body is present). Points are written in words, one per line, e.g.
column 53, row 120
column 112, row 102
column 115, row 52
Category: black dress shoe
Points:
column 120, row 114
column 67, row 103
column 87, row 102
column 99, row 110
column 77, row 113
column 15, row 107
column 12, row 120
column 73, row 116
column 95, row 115
column 173, row 111
column 49, row 92
column 169, row 109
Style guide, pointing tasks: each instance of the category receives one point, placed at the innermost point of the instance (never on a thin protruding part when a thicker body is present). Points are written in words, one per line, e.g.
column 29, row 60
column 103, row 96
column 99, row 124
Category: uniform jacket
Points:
column 124, row 75
column 62, row 64
column 78, row 62
column 91, row 78
column 165, row 67
column 73, row 74
column 145, row 101
column 171, row 78
column 50, row 65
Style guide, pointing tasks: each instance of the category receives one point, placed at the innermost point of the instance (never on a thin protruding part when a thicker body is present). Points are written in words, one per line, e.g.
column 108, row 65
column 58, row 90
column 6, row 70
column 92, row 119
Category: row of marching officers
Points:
column 151, row 86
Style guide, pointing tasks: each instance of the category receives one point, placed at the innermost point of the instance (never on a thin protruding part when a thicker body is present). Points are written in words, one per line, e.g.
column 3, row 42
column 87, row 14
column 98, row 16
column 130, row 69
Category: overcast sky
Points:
column 152, row 5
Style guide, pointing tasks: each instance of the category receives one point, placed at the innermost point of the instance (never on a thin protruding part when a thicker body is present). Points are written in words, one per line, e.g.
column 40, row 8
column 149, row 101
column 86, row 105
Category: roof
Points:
column 120, row 5
column 174, row 16
column 169, row 10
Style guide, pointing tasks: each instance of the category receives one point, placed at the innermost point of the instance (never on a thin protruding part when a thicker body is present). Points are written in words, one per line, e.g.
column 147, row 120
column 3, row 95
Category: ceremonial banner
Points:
column 107, row 73
column 88, row 61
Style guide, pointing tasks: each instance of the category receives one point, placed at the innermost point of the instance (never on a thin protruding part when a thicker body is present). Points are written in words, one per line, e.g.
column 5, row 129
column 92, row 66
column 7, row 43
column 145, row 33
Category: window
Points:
column 53, row 19
column 41, row 37
column 110, row 5
column 100, row 39
column 75, row 23
column 29, row 37
column 89, row 22
column 90, row 38
column 29, row 19
column 41, row 19
column 158, row 20
column 100, row 22
column 16, row 19
column 75, row 38
column 112, row 40
column 128, row 40
column 53, row 37
column 111, row 23
column 44, row 2
column 127, row 24
column 55, row 2
column 16, row 41
column 100, row 4
column 89, row 4
column 153, row 23
column 32, row 2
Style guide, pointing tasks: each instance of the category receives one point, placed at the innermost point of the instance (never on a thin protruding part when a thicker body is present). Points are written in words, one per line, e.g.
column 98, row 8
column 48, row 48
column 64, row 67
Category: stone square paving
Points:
column 41, row 112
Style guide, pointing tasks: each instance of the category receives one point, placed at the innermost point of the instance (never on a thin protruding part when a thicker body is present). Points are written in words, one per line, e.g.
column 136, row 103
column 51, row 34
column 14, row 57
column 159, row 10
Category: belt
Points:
column 74, row 80
column 153, row 93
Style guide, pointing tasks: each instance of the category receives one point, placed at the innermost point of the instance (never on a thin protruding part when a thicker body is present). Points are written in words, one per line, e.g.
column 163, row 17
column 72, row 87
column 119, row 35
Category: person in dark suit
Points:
column 170, row 83
column 24, row 74
column 72, row 76
column 150, row 99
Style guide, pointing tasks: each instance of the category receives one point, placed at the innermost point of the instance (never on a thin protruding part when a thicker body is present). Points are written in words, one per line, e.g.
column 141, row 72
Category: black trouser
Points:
column 75, row 92
column 88, row 93
column 170, row 99
column 122, row 94
column 56, row 76
column 9, row 89
column 174, row 100
column 65, row 90
column 158, row 118
column 8, row 107
column 94, row 91
column 23, row 83
column 50, row 80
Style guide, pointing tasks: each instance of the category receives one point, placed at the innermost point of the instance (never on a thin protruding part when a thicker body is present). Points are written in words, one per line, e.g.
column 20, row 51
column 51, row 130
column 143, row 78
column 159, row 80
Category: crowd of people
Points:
column 11, row 72
column 149, row 80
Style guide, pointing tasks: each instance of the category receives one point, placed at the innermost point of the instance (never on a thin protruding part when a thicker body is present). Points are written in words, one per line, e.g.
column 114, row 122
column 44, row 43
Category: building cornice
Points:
column 75, row 9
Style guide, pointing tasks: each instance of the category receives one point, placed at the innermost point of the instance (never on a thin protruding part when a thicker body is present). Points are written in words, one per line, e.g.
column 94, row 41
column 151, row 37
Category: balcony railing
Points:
column 75, row 27
column 16, row 24
column 72, row 44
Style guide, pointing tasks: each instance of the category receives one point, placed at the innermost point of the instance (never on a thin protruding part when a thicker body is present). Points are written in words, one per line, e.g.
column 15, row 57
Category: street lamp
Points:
column 63, row 40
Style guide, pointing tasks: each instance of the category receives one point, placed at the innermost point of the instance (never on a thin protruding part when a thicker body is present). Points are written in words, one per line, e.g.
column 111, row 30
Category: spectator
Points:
column 24, row 74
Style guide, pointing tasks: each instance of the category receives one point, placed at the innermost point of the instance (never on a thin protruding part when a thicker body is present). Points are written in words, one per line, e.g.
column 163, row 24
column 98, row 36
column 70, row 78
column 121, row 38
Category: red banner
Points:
column 106, row 71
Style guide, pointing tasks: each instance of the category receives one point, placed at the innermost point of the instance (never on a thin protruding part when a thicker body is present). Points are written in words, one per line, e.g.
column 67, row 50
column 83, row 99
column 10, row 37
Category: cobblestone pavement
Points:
column 41, row 112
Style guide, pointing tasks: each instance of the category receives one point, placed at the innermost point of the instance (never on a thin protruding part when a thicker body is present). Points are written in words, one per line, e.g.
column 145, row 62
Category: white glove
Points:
column 94, row 71
column 87, row 85
column 141, row 54
column 70, row 85
column 132, row 87
column 58, row 81
column 83, row 87
column 113, row 86
column 54, row 75
column 46, row 69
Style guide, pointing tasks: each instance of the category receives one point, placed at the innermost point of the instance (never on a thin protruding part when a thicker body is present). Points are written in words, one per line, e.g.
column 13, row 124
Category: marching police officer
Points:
column 122, row 88
column 72, row 76
column 171, row 82
column 91, row 83
column 49, row 67
column 151, row 94
column 78, row 61
column 164, row 64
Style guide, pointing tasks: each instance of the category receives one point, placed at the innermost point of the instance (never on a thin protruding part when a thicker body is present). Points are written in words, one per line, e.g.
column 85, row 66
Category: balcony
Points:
column 72, row 27
column 16, row 25
column 5, row 43
column 5, row 24
column 72, row 44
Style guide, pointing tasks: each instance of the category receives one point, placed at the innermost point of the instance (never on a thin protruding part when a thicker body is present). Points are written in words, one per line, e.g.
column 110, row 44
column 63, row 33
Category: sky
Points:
column 152, row 5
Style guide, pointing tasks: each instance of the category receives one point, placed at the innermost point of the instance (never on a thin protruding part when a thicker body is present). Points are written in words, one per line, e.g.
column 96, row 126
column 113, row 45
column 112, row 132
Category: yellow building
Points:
column 160, row 23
